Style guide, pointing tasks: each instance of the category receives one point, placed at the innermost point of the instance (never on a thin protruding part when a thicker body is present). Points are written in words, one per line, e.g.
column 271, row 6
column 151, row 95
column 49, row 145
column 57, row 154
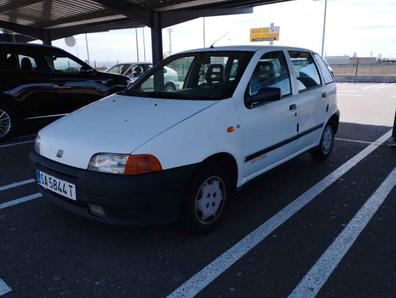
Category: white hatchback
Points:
column 153, row 154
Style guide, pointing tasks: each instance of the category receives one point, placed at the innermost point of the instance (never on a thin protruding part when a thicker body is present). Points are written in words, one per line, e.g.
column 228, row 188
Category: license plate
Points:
column 56, row 185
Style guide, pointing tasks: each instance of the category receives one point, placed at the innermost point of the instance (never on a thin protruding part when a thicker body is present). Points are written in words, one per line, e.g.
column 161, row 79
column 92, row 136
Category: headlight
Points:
column 124, row 164
column 37, row 143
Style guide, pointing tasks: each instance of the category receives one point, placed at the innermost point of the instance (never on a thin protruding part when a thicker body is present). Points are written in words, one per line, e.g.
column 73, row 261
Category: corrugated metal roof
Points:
column 57, row 16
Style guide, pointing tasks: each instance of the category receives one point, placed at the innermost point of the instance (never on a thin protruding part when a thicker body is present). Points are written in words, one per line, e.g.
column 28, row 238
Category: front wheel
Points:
column 7, row 123
column 323, row 151
column 205, row 200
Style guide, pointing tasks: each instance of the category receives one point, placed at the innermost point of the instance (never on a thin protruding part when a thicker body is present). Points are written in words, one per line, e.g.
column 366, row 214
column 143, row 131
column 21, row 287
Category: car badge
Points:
column 59, row 154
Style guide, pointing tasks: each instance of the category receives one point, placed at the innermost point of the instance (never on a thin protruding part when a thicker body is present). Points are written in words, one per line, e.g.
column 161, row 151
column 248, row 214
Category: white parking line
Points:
column 382, row 87
column 4, row 289
column 373, row 86
column 20, row 200
column 353, row 141
column 209, row 273
column 16, row 184
column 350, row 94
column 15, row 144
column 317, row 276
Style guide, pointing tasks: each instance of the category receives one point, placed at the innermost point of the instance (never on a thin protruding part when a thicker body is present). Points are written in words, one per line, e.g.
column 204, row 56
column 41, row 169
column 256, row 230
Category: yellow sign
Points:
column 264, row 34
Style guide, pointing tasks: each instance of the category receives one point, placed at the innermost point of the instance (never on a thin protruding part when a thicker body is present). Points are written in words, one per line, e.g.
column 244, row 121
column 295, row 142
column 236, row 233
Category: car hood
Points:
column 115, row 124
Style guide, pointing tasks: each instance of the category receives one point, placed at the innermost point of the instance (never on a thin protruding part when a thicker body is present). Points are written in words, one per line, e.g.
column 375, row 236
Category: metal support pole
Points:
column 394, row 129
column 137, row 44
column 156, row 37
column 204, row 31
column 46, row 38
column 86, row 45
column 324, row 28
column 144, row 46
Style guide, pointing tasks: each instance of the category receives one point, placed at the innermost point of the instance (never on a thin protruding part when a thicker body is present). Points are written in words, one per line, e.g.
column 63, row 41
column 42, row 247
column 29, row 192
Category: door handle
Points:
column 293, row 108
column 324, row 95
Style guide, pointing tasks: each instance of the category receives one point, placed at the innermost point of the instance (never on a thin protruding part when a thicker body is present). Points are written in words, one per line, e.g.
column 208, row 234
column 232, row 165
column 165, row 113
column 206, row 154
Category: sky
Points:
column 364, row 27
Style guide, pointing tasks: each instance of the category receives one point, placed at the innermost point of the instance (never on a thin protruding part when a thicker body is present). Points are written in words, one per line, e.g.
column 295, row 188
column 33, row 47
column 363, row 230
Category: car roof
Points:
column 249, row 48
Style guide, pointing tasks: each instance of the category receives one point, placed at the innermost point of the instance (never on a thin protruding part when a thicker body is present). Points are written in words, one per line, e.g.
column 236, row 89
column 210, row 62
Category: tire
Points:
column 323, row 151
column 205, row 199
column 169, row 87
column 8, row 122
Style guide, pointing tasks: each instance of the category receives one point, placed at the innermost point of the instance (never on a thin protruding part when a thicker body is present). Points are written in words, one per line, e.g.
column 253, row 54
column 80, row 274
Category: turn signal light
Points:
column 142, row 163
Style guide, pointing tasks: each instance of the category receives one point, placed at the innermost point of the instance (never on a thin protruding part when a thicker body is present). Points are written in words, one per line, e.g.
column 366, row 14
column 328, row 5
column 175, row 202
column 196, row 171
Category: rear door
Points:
column 270, row 128
column 311, row 98
column 29, row 84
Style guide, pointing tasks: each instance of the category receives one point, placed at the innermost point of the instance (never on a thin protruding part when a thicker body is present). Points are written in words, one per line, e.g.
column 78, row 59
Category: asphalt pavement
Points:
column 304, row 226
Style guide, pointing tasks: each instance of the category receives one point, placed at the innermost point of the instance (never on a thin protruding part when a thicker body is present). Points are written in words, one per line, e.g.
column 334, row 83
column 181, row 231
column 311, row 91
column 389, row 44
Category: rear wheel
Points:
column 323, row 151
column 8, row 123
column 205, row 200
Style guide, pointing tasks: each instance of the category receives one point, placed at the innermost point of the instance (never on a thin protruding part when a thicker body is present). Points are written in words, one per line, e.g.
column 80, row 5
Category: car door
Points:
column 77, row 84
column 329, row 85
column 29, row 84
column 311, row 98
column 269, row 128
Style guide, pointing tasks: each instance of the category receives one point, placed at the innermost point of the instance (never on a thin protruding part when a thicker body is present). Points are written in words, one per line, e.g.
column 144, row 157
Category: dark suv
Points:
column 39, row 82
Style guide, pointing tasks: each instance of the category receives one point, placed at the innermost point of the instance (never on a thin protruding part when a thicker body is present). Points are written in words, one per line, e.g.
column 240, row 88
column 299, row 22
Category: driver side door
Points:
column 269, row 128
column 75, row 86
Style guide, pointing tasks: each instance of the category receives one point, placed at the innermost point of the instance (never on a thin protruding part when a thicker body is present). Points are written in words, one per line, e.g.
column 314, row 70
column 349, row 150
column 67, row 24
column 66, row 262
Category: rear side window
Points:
column 325, row 68
column 306, row 70
column 18, row 60
column 27, row 63
column 8, row 60
column 271, row 72
column 62, row 63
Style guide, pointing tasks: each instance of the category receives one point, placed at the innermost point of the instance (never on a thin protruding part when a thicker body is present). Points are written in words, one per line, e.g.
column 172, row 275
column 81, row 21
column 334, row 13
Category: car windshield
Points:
column 202, row 76
column 119, row 68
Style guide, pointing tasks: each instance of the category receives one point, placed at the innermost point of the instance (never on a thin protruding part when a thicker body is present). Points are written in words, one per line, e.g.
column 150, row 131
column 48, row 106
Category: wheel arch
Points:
column 334, row 121
column 227, row 161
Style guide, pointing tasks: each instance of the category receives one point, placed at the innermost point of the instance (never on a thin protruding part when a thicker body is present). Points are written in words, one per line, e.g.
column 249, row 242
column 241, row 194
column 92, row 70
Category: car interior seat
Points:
column 215, row 74
column 26, row 64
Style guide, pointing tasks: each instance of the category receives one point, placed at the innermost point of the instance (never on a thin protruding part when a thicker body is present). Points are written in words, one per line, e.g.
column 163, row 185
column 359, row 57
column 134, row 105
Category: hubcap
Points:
column 5, row 123
column 327, row 141
column 209, row 201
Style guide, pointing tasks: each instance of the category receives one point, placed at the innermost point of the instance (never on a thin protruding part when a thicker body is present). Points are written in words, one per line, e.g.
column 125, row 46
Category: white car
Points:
column 135, row 70
column 152, row 155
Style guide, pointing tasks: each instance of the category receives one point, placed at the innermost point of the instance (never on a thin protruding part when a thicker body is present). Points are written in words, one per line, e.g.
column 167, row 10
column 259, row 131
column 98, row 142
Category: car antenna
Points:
column 213, row 44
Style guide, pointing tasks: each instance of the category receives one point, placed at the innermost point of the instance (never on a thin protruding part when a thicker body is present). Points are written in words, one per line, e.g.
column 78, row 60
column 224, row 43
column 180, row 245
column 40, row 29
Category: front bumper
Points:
column 141, row 200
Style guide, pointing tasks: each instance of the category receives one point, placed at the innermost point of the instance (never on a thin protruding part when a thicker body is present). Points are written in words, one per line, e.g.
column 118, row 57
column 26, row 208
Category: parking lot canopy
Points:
column 53, row 19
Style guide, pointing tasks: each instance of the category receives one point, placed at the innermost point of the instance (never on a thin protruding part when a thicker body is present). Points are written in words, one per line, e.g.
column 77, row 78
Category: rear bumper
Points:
column 141, row 200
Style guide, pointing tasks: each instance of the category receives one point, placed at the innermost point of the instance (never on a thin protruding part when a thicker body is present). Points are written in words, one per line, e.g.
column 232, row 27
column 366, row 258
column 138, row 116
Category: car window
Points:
column 27, row 63
column 62, row 63
column 271, row 72
column 306, row 70
column 325, row 68
column 211, row 75
column 8, row 60
column 173, row 74
column 115, row 69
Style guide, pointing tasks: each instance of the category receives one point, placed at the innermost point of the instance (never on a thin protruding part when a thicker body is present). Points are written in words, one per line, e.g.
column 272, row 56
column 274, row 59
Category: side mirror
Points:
column 264, row 95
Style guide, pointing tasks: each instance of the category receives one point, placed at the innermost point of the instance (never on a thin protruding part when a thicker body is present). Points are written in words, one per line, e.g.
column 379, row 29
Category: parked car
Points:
column 150, row 155
column 135, row 70
column 41, row 82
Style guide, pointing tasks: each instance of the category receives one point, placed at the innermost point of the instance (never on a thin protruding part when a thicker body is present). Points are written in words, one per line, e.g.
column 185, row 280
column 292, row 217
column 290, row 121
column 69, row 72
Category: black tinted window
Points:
column 8, row 60
column 306, row 71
